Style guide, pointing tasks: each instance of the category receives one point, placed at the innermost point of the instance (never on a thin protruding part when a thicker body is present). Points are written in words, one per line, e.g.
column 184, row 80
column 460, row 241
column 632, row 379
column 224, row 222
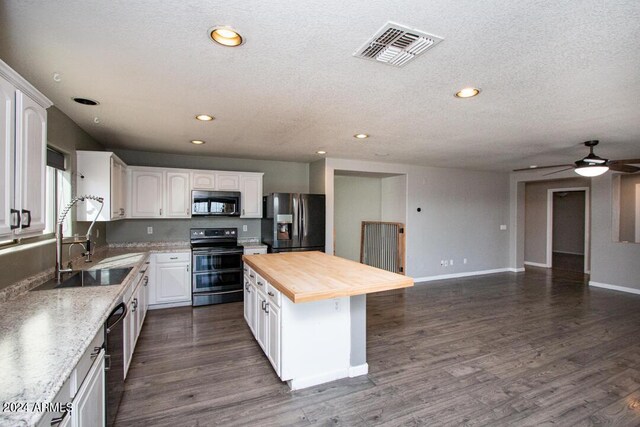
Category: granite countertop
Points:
column 43, row 334
column 252, row 244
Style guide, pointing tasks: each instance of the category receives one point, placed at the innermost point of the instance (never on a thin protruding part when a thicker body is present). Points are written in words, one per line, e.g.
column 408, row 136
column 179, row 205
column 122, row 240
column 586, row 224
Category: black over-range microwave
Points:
column 215, row 203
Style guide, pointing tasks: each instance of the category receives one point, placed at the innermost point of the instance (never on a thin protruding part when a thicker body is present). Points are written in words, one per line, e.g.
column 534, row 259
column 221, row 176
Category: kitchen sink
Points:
column 98, row 277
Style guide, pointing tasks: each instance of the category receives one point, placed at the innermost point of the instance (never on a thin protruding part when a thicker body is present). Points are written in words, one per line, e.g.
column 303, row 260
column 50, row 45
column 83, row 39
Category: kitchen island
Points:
column 307, row 310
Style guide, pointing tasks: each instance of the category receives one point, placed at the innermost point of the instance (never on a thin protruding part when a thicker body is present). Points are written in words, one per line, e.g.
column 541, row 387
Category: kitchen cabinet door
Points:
column 262, row 322
column 247, row 295
column 228, row 181
column 7, row 116
column 172, row 283
column 202, row 180
column 147, row 193
column 31, row 160
column 251, row 199
column 273, row 340
column 89, row 402
column 127, row 336
column 116, row 189
column 178, row 195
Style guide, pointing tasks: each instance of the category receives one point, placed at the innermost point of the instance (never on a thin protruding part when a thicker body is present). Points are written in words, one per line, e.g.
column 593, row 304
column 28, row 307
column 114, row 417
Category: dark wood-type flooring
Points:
column 569, row 262
column 536, row 348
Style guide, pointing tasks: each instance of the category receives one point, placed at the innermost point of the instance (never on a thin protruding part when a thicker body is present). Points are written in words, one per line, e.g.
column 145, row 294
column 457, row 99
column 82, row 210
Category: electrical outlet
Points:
column 441, row 263
column 464, row 261
column 450, row 262
column 446, row 263
column 244, row 228
column 149, row 230
column 503, row 227
column 97, row 233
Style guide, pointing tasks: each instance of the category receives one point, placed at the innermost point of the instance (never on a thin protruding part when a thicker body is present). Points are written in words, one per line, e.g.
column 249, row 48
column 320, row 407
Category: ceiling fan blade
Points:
column 624, row 161
column 561, row 170
column 624, row 168
column 542, row 167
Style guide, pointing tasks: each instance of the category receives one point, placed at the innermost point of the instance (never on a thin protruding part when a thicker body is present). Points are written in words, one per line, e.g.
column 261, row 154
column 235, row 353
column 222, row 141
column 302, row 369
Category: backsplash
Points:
column 173, row 230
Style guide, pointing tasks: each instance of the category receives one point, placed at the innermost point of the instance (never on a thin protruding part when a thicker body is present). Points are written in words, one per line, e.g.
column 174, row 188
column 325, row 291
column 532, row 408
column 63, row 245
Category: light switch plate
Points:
column 149, row 230
column 503, row 227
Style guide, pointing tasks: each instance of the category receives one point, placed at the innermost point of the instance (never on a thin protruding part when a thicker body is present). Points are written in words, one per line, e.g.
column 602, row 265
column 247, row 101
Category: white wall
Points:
column 357, row 199
column 461, row 214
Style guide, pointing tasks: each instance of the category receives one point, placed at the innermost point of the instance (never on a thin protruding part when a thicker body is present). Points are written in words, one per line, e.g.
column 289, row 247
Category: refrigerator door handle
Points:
column 302, row 214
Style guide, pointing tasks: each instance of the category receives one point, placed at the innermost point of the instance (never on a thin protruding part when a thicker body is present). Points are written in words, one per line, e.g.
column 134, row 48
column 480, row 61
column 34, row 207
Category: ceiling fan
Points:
column 592, row 164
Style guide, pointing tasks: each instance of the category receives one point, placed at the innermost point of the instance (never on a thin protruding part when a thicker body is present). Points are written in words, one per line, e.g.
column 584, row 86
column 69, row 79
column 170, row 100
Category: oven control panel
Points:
column 203, row 233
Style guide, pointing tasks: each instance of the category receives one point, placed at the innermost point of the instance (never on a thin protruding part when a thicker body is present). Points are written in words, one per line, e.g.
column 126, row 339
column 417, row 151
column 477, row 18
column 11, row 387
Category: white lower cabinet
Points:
column 261, row 321
column 89, row 403
column 171, row 284
column 273, row 333
column 263, row 314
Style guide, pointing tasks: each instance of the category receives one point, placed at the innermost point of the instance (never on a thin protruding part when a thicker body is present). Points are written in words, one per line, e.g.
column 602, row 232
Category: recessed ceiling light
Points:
column 204, row 117
column 225, row 36
column 85, row 101
column 468, row 92
column 321, row 152
column 361, row 135
column 197, row 142
column 533, row 166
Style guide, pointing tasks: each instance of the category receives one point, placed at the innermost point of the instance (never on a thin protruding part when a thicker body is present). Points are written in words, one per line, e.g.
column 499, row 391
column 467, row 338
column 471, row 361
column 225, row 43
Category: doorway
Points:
column 568, row 229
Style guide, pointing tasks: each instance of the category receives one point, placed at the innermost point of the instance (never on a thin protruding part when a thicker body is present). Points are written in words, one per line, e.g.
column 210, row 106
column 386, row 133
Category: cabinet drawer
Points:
column 274, row 295
column 63, row 397
column 84, row 365
column 252, row 275
column 261, row 283
column 255, row 251
column 173, row 257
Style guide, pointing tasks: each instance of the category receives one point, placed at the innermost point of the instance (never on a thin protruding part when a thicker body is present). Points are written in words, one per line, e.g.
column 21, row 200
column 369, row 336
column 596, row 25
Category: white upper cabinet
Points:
column 7, row 115
column 147, row 190
column 251, row 191
column 101, row 174
column 178, row 195
column 228, row 181
column 31, row 161
column 203, row 180
column 23, row 142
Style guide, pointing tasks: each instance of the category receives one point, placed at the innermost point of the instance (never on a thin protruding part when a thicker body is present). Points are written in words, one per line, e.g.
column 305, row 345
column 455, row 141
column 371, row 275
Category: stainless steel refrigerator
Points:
column 293, row 222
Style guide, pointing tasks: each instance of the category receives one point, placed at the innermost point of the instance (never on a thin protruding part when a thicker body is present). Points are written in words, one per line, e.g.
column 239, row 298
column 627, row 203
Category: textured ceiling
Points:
column 552, row 74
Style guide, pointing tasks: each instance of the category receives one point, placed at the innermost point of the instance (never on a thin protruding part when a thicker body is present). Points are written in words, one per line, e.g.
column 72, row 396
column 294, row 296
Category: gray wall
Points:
column 317, row 177
column 568, row 222
column 174, row 230
column 357, row 199
column 461, row 214
column 65, row 135
column 535, row 215
column 287, row 177
column 613, row 263
column 628, row 207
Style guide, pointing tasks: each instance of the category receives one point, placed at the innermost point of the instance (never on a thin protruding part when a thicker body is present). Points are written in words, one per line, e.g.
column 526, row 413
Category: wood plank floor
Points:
column 536, row 348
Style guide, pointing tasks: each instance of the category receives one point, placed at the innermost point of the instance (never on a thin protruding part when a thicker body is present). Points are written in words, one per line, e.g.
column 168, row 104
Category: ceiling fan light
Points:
column 591, row 170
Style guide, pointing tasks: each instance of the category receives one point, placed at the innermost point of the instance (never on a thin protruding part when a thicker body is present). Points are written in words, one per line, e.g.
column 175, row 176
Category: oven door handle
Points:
column 231, row 252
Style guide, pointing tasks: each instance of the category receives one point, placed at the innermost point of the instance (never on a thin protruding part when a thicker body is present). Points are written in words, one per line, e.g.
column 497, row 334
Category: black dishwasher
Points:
column 114, row 366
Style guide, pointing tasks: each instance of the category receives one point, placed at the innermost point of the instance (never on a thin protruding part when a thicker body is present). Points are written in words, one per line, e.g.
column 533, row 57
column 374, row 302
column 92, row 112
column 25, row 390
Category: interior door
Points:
column 312, row 221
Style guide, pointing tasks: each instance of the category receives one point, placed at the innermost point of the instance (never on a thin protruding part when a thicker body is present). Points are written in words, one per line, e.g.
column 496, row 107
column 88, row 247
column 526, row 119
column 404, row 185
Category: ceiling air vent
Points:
column 395, row 44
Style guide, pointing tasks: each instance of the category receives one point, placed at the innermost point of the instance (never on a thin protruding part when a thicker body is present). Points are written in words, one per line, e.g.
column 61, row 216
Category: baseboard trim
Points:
column 169, row 305
column 537, row 264
column 300, row 383
column 614, row 287
column 356, row 371
column 466, row 274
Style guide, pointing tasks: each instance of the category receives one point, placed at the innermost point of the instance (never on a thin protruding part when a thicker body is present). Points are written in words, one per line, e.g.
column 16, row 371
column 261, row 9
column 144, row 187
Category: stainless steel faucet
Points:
column 84, row 242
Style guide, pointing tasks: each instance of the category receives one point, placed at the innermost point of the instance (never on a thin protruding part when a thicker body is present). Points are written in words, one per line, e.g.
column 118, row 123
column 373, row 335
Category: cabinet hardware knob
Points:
column 260, row 283
column 266, row 308
column 271, row 294
column 95, row 352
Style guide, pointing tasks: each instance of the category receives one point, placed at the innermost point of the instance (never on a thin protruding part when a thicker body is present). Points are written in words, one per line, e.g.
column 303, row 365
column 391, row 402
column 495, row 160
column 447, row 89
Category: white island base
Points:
column 307, row 343
column 323, row 341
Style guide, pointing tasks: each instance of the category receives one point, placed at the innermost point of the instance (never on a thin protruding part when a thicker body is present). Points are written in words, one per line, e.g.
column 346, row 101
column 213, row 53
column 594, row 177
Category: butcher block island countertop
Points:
column 315, row 276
